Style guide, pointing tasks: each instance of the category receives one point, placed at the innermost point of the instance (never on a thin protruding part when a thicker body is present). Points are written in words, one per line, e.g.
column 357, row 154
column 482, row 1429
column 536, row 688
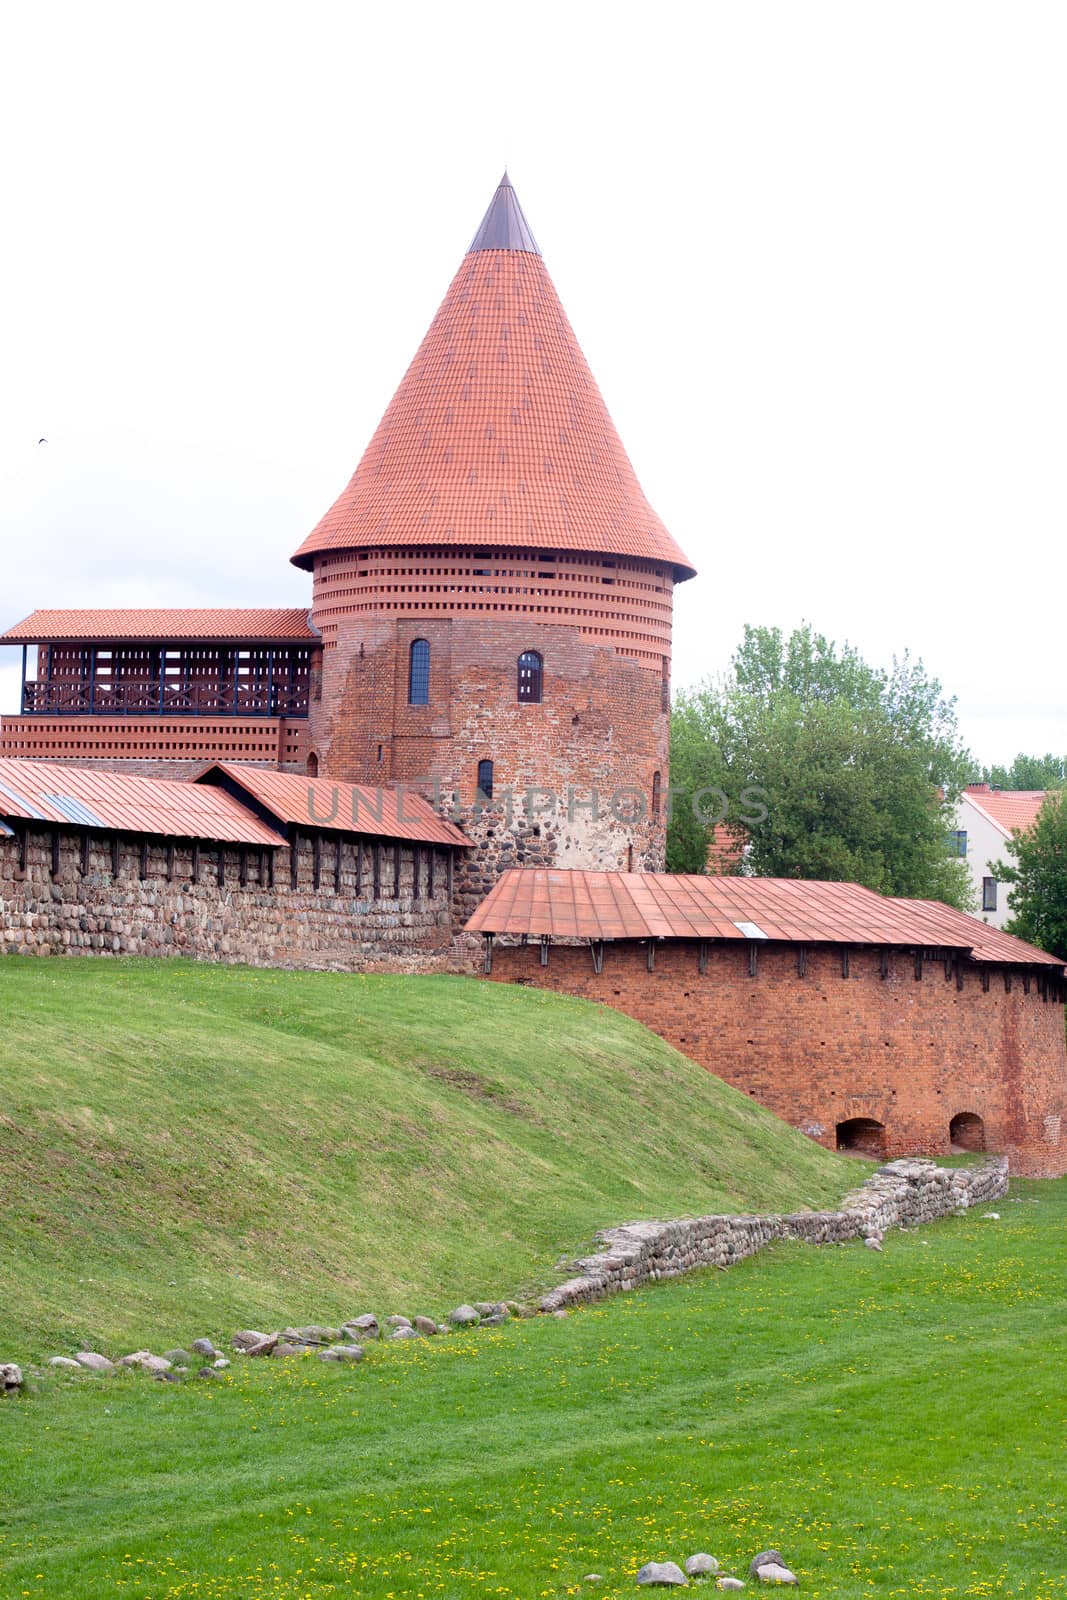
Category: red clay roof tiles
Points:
column 348, row 807
column 498, row 433
column 235, row 625
column 1008, row 808
column 122, row 801
column 629, row 905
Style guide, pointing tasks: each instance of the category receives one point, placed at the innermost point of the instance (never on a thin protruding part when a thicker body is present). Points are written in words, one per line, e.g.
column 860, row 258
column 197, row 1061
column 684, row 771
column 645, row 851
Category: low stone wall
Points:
column 899, row 1195
column 290, row 907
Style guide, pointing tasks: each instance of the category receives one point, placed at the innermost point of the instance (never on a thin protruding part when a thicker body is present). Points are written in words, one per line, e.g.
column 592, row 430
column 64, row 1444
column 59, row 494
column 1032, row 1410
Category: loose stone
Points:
column 464, row 1317
column 663, row 1574
column 94, row 1361
column 700, row 1565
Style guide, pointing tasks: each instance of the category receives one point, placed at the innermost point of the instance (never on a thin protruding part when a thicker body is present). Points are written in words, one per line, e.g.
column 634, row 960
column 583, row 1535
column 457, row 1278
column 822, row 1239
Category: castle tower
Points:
column 493, row 590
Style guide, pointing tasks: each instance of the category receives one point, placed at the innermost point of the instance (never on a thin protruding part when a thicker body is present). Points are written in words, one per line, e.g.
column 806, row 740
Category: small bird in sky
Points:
column 42, row 441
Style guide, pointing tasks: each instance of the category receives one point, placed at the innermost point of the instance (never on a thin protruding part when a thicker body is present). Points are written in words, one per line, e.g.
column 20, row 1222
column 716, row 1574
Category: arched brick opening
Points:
column 312, row 764
column 966, row 1131
column 863, row 1136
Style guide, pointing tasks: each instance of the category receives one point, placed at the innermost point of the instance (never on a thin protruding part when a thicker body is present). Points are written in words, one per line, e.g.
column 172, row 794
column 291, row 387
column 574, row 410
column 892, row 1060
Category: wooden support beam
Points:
column 1007, row 981
column 142, row 865
column 959, row 972
column 359, row 869
column 802, row 961
column 883, row 965
column 272, row 856
column 985, row 980
column 431, row 867
column 294, row 860
column 702, row 957
column 650, row 955
column 85, row 854
column 338, row 864
column 545, row 943
column 753, row 958
column 451, row 872
column 220, row 866
column 596, row 950
column 396, row 872
column 487, row 963
column 377, row 869
column 116, row 855
column 844, row 961
column 416, row 872
column 55, row 852
column 1026, row 983
column 316, row 860
column 194, row 868
column 170, row 860
column 242, row 867
column 918, row 966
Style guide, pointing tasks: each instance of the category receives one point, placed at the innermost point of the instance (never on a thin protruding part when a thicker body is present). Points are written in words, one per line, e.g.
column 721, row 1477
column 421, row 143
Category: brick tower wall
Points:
column 820, row 1049
column 602, row 727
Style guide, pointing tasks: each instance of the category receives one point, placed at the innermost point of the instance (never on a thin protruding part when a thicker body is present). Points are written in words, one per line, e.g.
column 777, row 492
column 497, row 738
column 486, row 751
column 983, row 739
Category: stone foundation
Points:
column 901, row 1195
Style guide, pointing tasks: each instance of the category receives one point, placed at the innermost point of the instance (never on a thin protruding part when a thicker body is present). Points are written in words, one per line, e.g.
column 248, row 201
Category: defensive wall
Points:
column 876, row 1050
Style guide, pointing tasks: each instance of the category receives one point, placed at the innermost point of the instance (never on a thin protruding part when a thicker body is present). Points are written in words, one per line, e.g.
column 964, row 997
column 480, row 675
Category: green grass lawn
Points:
column 190, row 1149
column 894, row 1423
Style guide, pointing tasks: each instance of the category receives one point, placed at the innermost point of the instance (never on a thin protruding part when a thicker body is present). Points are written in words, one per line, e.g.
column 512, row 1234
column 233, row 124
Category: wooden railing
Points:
column 150, row 698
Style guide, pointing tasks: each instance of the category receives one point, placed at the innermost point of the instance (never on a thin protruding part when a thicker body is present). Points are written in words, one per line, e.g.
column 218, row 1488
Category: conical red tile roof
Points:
column 498, row 433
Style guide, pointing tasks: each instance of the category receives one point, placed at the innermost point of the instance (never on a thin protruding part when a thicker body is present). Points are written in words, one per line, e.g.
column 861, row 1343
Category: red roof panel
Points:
column 396, row 813
column 38, row 791
column 234, row 625
column 1008, row 808
column 631, row 905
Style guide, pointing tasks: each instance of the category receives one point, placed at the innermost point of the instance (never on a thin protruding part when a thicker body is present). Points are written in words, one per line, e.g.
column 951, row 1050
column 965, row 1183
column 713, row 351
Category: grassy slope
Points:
column 190, row 1148
column 893, row 1423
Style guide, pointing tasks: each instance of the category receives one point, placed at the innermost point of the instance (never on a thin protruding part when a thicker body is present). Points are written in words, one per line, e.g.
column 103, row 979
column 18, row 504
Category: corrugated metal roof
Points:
column 126, row 802
column 348, row 807
column 629, row 905
column 229, row 625
column 498, row 434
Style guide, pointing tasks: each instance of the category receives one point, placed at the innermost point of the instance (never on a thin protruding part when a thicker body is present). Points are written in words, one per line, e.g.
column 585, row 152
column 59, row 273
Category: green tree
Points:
column 859, row 768
column 1028, row 772
column 1038, row 902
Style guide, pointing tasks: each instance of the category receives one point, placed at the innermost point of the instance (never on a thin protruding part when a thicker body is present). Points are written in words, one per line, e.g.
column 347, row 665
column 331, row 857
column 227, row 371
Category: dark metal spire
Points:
column 504, row 227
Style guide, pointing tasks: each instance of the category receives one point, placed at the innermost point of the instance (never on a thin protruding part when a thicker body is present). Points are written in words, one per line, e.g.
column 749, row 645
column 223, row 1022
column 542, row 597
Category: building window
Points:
column 957, row 842
column 485, row 779
column 313, row 764
column 656, row 795
column 989, row 894
column 531, row 675
column 419, row 673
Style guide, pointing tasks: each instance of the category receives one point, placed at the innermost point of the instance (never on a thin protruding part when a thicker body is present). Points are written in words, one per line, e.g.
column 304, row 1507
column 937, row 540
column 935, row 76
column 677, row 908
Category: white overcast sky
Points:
column 816, row 255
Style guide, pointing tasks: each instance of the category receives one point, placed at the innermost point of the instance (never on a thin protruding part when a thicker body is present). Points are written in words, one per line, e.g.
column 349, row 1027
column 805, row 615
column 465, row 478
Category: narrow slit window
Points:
column 419, row 673
column 485, row 779
column 530, row 678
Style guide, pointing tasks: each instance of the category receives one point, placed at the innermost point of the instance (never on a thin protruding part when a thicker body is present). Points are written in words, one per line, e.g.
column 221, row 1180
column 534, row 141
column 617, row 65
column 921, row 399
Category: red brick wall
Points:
column 820, row 1049
column 155, row 747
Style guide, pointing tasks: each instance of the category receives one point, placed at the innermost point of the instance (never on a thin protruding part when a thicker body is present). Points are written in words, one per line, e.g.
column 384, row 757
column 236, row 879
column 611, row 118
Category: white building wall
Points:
column 986, row 842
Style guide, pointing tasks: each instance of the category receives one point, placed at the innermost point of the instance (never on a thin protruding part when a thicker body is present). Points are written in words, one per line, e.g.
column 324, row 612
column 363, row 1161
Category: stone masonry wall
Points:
column 821, row 1049
column 168, row 901
column 902, row 1194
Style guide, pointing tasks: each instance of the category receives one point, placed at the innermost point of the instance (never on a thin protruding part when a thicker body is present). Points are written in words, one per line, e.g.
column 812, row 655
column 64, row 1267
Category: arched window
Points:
column 419, row 673
column 313, row 765
column 485, row 779
column 531, row 676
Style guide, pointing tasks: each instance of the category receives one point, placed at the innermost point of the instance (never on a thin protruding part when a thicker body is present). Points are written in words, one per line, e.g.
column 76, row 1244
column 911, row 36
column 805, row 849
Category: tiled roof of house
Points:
column 1007, row 808
column 252, row 625
column 498, row 433
column 394, row 813
column 125, row 802
column 629, row 905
